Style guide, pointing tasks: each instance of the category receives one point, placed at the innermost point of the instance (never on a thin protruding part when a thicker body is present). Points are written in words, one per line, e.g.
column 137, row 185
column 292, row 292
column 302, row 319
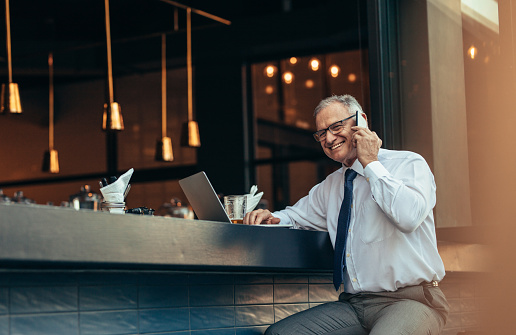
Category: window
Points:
column 285, row 92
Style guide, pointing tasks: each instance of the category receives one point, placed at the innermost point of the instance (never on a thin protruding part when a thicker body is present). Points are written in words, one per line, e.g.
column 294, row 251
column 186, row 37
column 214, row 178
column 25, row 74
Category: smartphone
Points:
column 361, row 121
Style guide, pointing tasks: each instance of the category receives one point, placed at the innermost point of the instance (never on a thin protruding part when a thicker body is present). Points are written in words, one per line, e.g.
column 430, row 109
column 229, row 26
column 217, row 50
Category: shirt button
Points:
column 349, row 231
column 347, row 255
column 354, row 280
column 351, row 205
column 367, row 179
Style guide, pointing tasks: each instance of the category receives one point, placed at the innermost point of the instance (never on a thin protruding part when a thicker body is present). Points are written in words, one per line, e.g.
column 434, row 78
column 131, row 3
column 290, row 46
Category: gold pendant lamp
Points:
column 50, row 159
column 190, row 133
column 193, row 139
column 164, row 151
column 10, row 100
column 112, row 118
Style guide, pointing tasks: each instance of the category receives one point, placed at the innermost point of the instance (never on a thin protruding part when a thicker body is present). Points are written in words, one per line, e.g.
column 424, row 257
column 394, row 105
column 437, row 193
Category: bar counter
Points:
column 47, row 236
column 64, row 271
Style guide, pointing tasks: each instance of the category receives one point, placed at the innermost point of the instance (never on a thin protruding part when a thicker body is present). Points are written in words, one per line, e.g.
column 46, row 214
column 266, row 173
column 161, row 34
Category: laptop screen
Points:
column 203, row 198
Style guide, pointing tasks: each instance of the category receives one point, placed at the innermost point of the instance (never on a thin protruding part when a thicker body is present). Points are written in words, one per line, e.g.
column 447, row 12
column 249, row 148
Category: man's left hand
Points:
column 367, row 143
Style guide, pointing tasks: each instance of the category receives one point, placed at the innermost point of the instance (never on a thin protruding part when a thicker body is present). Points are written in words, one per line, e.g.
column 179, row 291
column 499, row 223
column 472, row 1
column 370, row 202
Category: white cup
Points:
column 113, row 207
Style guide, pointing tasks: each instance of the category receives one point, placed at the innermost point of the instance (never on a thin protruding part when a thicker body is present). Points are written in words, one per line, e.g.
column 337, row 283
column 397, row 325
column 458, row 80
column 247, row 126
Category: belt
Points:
column 433, row 283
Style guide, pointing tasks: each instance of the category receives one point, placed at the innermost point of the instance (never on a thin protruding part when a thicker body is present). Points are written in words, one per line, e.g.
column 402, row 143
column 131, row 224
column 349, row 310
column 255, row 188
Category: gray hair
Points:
column 346, row 100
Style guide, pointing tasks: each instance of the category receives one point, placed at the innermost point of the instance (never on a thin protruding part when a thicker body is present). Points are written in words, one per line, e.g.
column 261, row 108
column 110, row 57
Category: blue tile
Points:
column 320, row 279
column 212, row 317
column 4, row 292
column 43, row 299
column 212, row 295
column 211, row 279
column 290, row 279
column 4, row 325
column 282, row 311
column 108, row 323
column 290, row 293
column 107, row 297
column 5, row 278
column 47, row 324
column 39, row 278
column 322, row 293
column 251, row 330
column 253, row 294
column 162, row 296
column 151, row 278
column 254, row 315
column 108, row 278
column 228, row 331
column 162, row 320
column 254, row 279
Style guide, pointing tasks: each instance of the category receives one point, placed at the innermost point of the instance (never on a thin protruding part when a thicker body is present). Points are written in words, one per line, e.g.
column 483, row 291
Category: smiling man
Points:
column 378, row 211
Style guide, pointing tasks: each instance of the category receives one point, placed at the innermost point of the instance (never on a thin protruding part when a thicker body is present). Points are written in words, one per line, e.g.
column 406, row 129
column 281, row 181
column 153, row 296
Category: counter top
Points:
column 36, row 236
column 55, row 237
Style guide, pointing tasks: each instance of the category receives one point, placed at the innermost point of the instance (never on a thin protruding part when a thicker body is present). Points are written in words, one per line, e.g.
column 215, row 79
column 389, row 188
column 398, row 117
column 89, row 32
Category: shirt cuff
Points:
column 285, row 219
column 374, row 171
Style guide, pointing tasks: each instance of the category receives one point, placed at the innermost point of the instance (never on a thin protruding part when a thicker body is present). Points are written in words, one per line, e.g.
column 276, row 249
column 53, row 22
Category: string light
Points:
column 270, row 71
column 334, row 71
column 288, row 77
column 314, row 64
column 472, row 52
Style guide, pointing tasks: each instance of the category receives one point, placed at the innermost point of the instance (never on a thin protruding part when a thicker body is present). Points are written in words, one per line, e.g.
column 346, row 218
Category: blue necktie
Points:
column 339, row 261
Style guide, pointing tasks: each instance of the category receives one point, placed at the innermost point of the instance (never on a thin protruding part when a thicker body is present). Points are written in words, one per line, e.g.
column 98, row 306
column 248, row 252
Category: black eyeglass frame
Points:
column 317, row 134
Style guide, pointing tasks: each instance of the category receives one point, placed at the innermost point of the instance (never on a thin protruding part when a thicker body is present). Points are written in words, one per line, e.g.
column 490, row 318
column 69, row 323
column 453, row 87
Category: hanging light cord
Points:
column 189, row 61
column 197, row 11
column 51, row 102
column 108, row 41
column 176, row 19
column 163, row 85
column 8, row 26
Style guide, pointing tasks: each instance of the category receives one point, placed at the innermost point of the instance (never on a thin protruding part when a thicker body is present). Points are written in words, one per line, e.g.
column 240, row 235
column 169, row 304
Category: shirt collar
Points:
column 355, row 166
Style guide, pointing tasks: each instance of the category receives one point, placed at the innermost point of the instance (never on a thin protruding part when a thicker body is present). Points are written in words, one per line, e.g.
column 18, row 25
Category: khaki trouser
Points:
column 411, row 310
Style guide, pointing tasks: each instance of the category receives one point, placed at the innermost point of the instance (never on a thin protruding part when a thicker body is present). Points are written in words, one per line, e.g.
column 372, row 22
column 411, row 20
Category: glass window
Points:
column 285, row 92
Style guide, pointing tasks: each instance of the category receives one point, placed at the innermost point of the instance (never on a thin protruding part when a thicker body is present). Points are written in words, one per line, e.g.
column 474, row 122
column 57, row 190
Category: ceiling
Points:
column 75, row 32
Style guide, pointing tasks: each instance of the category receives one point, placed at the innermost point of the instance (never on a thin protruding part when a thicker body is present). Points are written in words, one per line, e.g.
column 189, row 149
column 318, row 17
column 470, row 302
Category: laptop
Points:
column 203, row 199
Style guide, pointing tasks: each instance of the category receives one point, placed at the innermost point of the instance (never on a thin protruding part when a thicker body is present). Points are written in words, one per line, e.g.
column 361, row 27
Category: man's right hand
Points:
column 260, row 216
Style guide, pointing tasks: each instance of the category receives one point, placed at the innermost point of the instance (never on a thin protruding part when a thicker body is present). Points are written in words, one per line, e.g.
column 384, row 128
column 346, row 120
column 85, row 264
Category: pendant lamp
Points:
column 112, row 118
column 10, row 100
column 191, row 137
column 164, row 145
column 50, row 159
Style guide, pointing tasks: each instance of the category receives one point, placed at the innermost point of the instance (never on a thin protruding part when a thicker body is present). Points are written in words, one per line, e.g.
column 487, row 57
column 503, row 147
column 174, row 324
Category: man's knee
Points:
column 270, row 331
column 277, row 329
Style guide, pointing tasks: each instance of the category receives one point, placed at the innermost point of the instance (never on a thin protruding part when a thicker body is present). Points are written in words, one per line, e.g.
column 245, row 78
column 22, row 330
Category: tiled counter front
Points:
column 145, row 302
column 118, row 302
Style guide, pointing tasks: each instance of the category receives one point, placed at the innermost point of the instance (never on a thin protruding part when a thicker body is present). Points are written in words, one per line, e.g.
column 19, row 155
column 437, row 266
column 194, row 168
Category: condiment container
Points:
column 86, row 199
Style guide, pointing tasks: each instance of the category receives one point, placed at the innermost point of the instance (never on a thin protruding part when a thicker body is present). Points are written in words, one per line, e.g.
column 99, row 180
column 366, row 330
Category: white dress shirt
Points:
column 391, row 239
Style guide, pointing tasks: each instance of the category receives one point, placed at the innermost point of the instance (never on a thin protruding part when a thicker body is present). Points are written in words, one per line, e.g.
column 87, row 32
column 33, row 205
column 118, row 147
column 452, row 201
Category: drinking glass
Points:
column 235, row 206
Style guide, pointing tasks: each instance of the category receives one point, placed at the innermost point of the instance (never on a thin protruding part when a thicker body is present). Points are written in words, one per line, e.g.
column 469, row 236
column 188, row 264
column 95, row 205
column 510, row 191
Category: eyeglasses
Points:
column 334, row 128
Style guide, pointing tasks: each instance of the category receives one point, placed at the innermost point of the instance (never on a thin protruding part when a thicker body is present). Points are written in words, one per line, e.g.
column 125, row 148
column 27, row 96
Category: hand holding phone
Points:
column 366, row 141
